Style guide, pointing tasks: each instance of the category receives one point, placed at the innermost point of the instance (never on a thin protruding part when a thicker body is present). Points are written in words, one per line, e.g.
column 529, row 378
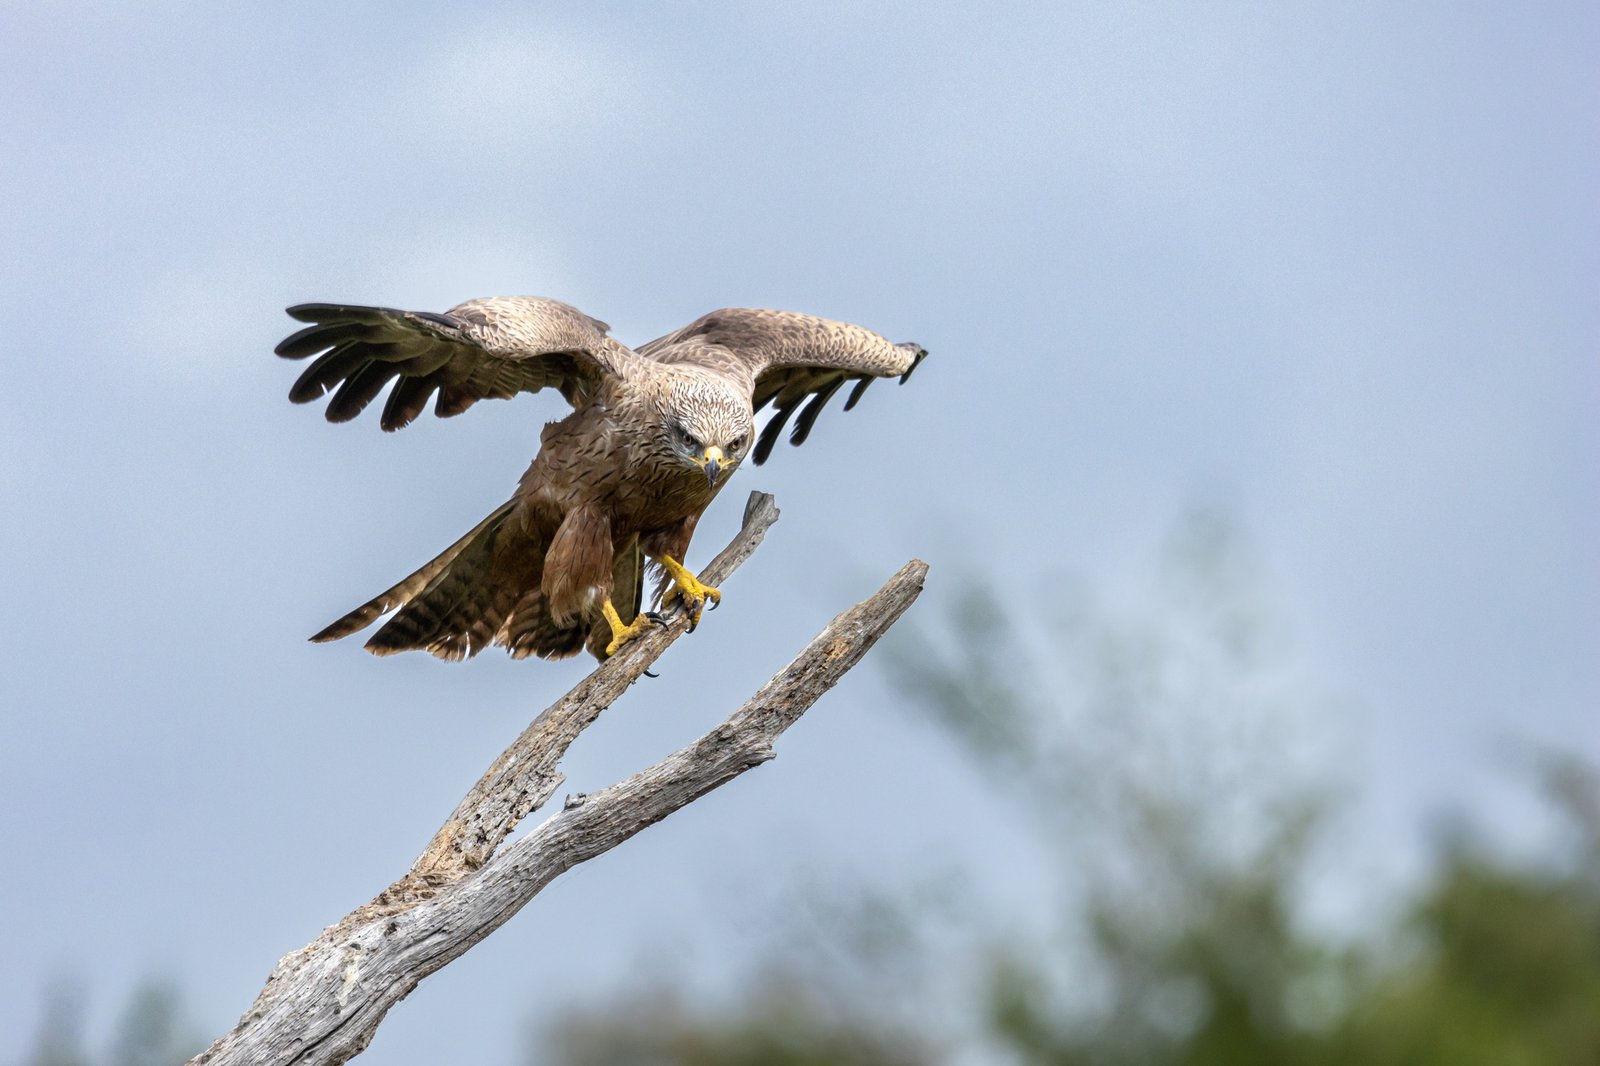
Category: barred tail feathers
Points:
column 484, row 589
column 456, row 604
column 408, row 588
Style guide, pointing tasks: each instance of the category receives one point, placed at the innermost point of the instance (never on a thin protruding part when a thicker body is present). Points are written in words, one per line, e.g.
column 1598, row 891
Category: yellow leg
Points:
column 687, row 587
column 621, row 634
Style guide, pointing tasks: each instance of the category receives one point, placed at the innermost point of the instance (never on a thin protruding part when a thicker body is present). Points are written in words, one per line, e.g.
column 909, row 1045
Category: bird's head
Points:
column 708, row 427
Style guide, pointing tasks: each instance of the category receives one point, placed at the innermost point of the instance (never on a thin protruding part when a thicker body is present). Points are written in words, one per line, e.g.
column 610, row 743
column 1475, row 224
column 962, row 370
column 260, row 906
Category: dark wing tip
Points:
column 769, row 437
column 407, row 401
column 916, row 360
column 781, row 410
column 808, row 415
column 342, row 313
column 447, row 321
column 310, row 312
column 298, row 344
column 856, row 393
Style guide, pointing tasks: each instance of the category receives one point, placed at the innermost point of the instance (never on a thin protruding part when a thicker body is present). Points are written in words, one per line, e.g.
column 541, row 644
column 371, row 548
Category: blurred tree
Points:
column 779, row 1025
column 1161, row 751
column 1503, row 959
column 60, row 1039
column 150, row 1031
column 1161, row 757
column 1165, row 770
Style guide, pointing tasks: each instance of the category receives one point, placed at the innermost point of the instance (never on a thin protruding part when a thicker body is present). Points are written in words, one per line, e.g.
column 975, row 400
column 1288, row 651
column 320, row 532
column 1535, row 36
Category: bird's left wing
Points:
column 489, row 348
column 791, row 359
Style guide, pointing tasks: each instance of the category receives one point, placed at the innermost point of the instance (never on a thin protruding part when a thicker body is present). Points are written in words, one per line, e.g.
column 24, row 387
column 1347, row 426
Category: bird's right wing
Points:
column 482, row 349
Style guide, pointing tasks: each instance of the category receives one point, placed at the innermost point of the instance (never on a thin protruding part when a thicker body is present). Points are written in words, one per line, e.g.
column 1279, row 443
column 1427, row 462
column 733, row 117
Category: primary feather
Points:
column 652, row 437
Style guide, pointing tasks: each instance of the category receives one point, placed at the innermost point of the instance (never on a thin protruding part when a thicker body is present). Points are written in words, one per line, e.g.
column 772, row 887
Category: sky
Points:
column 1333, row 271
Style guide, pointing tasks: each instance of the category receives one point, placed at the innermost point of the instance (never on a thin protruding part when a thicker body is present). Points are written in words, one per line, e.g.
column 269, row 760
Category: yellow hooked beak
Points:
column 712, row 464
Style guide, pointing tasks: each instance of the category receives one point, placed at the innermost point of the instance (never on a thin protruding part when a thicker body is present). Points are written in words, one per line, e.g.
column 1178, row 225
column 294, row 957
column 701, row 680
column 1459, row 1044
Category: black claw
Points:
column 694, row 621
column 656, row 618
column 715, row 604
column 649, row 674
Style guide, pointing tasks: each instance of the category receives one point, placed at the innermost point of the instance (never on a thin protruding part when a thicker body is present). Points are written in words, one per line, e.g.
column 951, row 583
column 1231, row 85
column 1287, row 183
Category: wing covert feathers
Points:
column 794, row 361
column 490, row 586
column 492, row 348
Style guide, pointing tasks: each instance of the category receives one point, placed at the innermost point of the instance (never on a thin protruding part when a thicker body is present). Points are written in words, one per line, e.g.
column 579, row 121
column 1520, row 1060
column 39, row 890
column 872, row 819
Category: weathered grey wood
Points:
column 524, row 776
column 323, row 1003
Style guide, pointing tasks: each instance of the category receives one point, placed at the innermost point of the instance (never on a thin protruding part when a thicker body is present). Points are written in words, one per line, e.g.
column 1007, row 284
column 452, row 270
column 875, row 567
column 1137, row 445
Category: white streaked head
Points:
column 708, row 425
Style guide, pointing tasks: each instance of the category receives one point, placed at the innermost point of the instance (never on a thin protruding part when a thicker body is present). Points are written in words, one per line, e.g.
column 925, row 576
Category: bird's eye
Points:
column 690, row 440
column 737, row 444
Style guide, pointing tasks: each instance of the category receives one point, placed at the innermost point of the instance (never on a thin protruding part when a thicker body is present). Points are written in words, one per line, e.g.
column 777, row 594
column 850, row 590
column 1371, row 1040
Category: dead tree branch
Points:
column 323, row 1003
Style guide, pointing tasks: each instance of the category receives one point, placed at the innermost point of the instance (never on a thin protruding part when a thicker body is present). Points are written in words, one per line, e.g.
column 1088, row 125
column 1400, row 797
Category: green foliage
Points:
column 1496, row 963
column 775, row 1027
column 150, row 1031
column 1507, row 967
column 1155, row 757
column 60, row 1038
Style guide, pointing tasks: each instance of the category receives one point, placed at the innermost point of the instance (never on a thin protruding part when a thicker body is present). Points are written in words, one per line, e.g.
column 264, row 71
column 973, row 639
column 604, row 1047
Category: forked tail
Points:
column 456, row 604
column 486, row 589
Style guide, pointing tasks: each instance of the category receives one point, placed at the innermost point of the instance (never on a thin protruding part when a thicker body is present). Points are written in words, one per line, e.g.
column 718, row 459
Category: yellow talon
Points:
column 687, row 587
column 621, row 634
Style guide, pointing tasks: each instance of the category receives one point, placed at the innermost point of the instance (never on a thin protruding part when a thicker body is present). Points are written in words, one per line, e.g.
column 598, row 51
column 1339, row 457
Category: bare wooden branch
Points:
column 524, row 776
column 323, row 1003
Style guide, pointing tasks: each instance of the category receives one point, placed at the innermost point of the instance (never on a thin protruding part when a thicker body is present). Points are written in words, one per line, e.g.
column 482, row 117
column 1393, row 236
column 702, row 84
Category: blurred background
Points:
column 1250, row 714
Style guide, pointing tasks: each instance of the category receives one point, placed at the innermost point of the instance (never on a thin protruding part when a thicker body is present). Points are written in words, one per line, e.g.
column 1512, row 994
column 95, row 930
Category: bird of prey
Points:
column 653, row 435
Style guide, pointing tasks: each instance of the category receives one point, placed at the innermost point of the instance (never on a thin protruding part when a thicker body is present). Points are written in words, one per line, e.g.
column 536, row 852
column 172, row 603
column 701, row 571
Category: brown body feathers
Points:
column 653, row 435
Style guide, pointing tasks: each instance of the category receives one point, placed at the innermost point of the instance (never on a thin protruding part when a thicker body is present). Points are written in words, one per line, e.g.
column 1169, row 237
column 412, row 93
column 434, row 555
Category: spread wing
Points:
column 482, row 349
column 791, row 360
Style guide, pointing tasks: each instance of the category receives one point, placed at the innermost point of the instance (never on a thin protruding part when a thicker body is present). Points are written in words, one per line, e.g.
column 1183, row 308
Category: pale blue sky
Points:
column 1335, row 269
